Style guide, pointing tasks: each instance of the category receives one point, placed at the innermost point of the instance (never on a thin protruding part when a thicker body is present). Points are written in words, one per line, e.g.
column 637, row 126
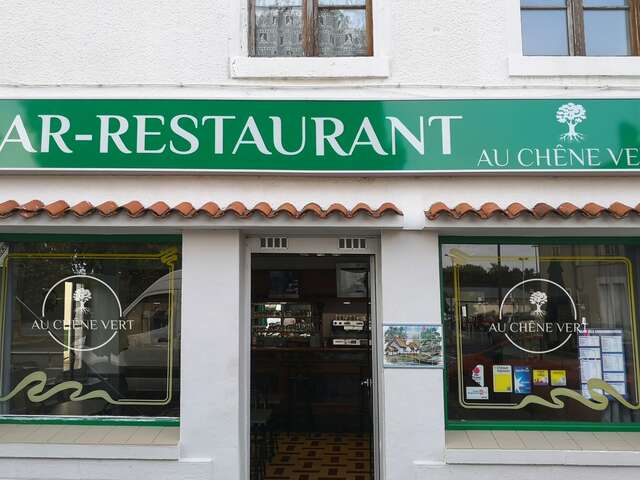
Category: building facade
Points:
column 319, row 239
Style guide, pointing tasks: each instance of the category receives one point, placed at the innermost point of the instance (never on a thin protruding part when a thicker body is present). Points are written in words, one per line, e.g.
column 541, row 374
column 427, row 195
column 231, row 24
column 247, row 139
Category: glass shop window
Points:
column 580, row 27
column 310, row 28
column 541, row 332
column 90, row 328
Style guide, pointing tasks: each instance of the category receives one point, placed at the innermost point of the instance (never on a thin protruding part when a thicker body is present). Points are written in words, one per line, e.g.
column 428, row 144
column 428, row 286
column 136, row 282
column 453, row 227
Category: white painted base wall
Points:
column 521, row 472
column 73, row 469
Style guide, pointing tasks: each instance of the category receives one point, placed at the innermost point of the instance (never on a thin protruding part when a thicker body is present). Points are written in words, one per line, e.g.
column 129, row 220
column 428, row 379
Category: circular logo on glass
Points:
column 538, row 316
column 82, row 313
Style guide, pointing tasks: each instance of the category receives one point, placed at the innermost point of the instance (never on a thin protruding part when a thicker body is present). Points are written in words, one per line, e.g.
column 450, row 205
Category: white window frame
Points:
column 242, row 66
column 566, row 66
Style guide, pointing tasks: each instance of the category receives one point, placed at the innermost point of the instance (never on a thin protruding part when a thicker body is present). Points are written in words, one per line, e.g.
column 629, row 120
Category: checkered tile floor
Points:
column 322, row 456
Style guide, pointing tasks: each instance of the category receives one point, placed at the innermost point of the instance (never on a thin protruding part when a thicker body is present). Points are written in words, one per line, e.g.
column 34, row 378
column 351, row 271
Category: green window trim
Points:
column 90, row 237
column 454, row 425
column 90, row 421
column 543, row 240
column 542, row 426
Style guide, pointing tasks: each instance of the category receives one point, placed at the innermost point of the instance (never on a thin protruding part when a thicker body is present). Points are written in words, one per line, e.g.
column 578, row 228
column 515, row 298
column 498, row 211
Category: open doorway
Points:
column 311, row 399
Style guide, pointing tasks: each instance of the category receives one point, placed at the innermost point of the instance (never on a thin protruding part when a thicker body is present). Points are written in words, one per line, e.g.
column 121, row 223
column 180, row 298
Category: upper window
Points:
column 580, row 27
column 310, row 28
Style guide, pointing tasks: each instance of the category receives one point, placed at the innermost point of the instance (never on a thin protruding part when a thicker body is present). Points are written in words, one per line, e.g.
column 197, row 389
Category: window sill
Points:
column 102, row 452
column 591, row 458
column 543, row 448
column 310, row 68
column 524, row 66
column 88, row 441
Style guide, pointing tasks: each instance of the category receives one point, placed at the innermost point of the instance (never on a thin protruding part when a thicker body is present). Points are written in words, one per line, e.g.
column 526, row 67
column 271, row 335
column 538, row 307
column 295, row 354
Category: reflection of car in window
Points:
column 145, row 355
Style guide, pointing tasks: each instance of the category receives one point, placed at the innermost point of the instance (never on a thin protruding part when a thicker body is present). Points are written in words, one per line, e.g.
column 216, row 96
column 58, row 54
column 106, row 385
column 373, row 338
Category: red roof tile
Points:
column 540, row 210
column 161, row 209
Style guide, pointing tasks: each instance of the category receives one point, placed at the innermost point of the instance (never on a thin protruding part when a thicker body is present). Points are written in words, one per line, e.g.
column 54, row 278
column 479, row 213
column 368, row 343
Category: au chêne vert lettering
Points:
column 559, row 156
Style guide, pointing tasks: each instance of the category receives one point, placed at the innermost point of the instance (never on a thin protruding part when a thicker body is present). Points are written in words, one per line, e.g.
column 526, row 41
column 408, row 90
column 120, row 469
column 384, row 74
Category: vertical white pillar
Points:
column 210, row 350
column 414, row 398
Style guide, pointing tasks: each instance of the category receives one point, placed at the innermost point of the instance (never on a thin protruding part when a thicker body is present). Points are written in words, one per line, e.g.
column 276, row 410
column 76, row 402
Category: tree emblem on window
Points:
column 82, row 296
column 538, row 299
column 572, row 114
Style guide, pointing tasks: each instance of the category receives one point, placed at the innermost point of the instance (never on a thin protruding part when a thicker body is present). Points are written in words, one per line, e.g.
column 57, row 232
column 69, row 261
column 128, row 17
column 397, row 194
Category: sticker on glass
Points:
column 477, row 393
column 522, row 380
column 477, row 375
column 540, row 378
column 502, row 379
column 558, row 378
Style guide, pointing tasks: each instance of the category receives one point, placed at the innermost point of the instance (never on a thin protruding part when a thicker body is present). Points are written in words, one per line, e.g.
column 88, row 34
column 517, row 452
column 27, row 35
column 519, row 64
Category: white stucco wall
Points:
column 210, row 362
column 414, row 402
column 123, row 42
column 182, row 49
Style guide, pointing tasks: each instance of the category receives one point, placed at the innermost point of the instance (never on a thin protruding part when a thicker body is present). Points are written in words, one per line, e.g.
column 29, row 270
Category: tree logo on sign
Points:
column 538, row 299
column 82, row 296
column 571, row 114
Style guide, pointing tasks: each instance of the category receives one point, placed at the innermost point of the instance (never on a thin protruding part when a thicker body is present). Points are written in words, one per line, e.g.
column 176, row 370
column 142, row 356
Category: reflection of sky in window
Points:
column 514, row 257
column 520, row 257
column 606, row 32
column 543, row 3
column 605, row 3
column 544, row 32
column 471, row 250
column 355, row 19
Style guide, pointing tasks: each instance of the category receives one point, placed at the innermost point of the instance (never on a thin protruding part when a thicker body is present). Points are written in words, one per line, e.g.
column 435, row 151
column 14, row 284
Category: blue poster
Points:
column 522, row 380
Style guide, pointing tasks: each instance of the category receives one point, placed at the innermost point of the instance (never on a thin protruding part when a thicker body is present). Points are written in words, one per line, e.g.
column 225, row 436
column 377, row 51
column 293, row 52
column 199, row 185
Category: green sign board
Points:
column 405, row 136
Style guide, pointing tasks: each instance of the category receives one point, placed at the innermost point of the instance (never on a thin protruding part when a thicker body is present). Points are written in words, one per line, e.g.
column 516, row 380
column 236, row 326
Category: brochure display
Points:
column 602, row 357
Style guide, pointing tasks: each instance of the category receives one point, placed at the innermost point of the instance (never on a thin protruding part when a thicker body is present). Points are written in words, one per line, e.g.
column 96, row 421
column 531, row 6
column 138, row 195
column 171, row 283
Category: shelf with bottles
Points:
column 281, row 310
column 343, row 330
column 283, row 324
column 350, row 322
column 283, row 330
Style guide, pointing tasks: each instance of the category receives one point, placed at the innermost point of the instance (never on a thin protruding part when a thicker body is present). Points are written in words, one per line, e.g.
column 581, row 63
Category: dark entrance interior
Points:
column 311, row 399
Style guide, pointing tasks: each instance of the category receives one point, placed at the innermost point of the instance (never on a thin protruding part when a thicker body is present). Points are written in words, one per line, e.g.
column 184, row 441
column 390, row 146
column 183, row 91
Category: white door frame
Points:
column 328, row 244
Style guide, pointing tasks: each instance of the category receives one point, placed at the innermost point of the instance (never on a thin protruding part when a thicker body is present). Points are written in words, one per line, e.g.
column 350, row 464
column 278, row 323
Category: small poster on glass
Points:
column 413, row 346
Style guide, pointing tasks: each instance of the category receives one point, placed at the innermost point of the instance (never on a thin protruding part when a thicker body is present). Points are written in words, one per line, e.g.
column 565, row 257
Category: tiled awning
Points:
column 136, row 209
column 539, row 211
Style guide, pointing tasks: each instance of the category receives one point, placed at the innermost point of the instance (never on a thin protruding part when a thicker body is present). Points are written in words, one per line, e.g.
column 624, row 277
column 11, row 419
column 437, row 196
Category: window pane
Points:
column 605, row 3
column 341, row 3
column 99, row 318
column 532, row 325
column 279, row 29
column 543, row 3
column 342, row 33
column 606, row 32
column 544, row 32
